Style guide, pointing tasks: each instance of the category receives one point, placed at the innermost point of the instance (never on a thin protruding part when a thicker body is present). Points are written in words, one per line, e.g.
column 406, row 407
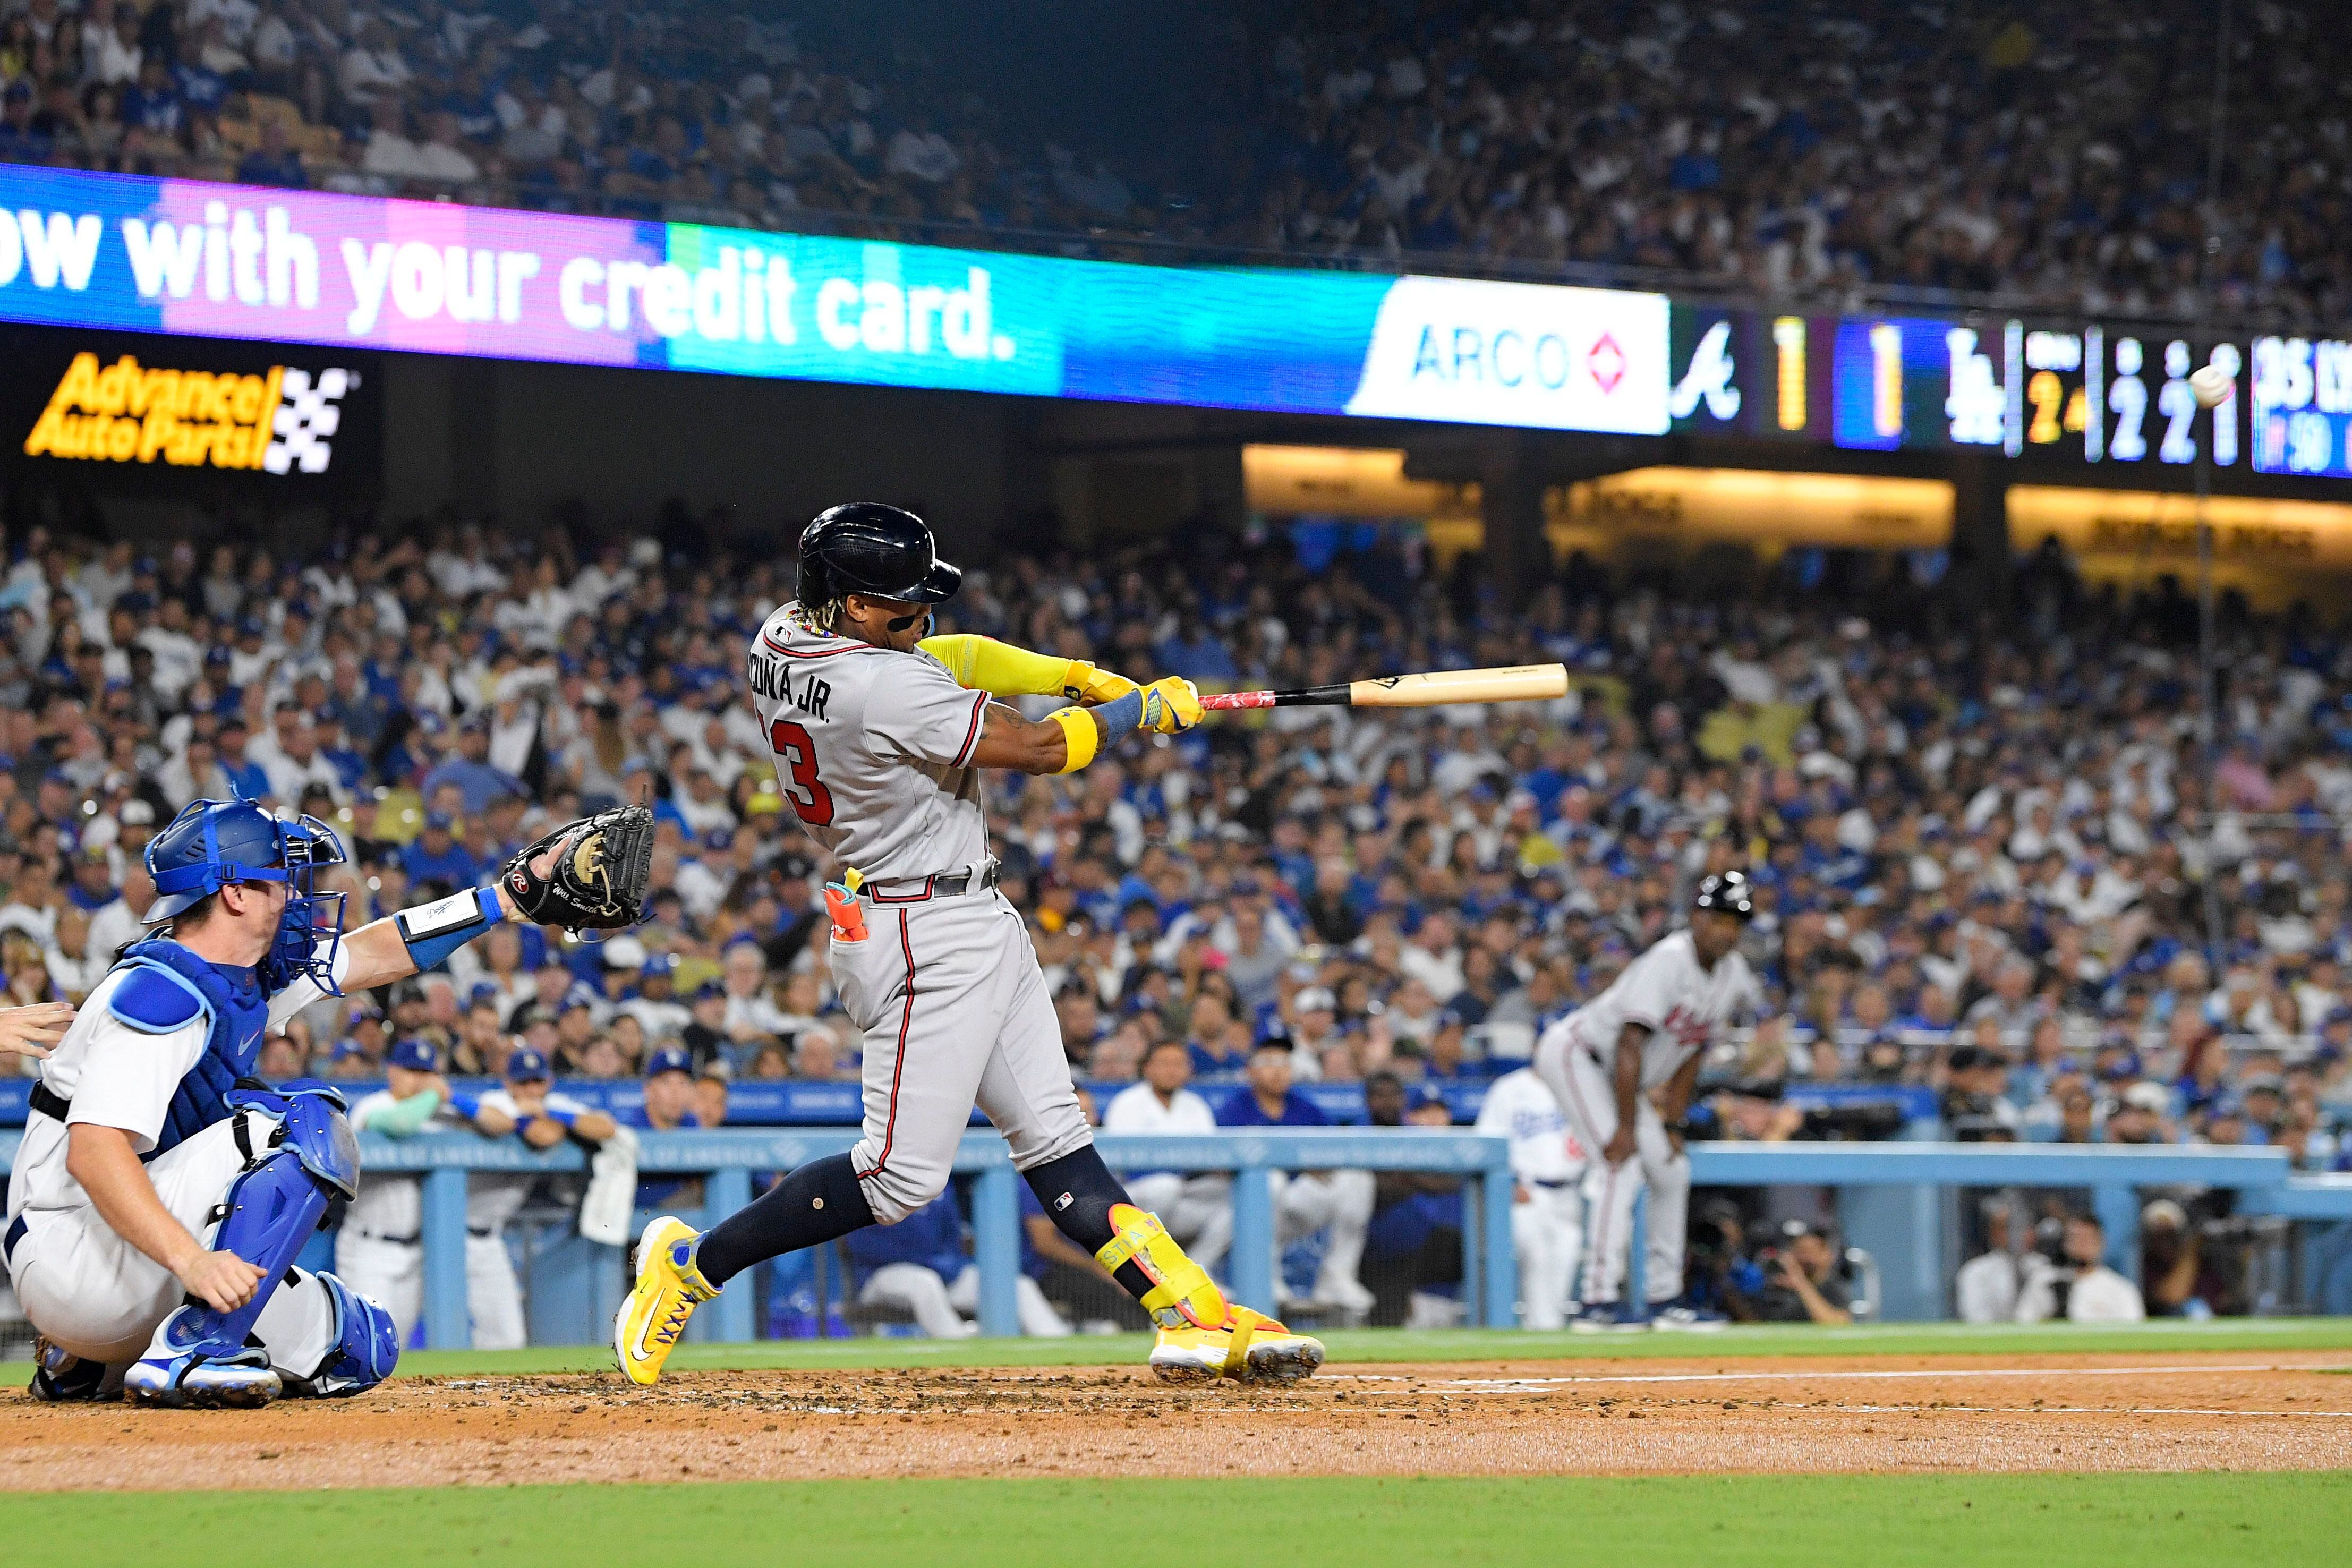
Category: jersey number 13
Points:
column 793, row 748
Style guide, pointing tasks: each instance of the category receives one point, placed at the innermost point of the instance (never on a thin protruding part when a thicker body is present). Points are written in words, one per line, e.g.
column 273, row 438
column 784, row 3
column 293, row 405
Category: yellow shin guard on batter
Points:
column 1181, row 1295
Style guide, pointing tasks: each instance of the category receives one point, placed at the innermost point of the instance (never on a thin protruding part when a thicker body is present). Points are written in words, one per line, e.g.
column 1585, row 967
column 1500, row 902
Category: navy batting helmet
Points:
column 867, row 547
column 1729, row 892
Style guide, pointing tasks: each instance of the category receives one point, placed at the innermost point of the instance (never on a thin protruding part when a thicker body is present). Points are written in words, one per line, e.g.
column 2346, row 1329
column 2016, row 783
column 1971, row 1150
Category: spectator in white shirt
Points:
column 2082, row 1290
column 750, row 1014
column 371, row 68
column 919, row 151
column 1197, row 1209
column 438, row 158
column 295, row 764
column 1435, row 958
column 1985, row 1290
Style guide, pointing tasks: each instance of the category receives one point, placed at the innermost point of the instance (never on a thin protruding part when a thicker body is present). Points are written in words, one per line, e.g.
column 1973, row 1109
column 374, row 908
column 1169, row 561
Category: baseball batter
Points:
column 160, row 1194
column 1547, row 1210
column 1623, row 1066
column 880, row 735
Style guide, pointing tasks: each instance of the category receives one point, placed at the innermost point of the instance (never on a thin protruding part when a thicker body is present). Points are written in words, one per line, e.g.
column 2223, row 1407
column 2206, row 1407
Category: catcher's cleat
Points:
column 61, row 1377
column 1201, row 1335
column 669, row 1286
column 1250, row 1347
column 239, row 1380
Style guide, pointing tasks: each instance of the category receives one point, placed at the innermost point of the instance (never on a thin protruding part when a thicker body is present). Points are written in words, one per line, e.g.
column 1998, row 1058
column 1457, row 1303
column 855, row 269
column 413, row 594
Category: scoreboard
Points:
column 2061, row 392
column 2301, row 395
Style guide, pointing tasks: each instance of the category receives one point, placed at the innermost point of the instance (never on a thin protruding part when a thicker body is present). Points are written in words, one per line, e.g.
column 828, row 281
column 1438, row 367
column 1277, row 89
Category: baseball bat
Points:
column 1431, row 688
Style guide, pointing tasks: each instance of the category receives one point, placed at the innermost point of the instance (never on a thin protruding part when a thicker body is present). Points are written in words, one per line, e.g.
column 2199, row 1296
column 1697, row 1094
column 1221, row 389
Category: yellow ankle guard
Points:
column 1181, row 1295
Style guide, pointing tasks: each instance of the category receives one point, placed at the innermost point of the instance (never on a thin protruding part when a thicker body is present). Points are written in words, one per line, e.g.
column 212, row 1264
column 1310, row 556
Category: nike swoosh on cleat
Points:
column 643, row 1328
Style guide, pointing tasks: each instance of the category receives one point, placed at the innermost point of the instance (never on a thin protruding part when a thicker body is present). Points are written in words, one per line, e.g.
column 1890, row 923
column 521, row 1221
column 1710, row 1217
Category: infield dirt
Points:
column 2247, row 1410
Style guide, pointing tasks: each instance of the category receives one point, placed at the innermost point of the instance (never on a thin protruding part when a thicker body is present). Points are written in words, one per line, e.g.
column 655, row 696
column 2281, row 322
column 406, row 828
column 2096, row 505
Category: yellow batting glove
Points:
column 1090, row 684
column 1170, row 705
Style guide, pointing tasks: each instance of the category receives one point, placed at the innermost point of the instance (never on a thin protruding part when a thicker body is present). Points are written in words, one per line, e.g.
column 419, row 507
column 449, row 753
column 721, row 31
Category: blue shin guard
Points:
column 204, row 1356
column 365, row 1347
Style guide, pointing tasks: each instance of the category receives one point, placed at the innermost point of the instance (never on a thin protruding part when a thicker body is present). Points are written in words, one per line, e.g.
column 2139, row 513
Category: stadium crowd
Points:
column 1986, row 857
column 2056, row 156
column 1983, row 859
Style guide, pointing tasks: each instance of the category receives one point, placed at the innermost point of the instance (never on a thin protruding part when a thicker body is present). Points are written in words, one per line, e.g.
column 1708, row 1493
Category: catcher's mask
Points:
column 211, row 844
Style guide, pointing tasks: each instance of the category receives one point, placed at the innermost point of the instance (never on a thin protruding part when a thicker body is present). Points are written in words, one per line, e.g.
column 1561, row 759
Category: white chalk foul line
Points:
column 1506, row 1385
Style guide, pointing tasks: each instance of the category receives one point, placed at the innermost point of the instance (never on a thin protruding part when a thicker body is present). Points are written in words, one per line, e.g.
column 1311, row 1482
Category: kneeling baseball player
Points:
column 161, row 1192
column 879, row 734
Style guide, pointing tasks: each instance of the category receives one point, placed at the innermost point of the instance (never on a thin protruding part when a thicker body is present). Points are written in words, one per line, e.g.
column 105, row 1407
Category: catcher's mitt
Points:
column 597, row 878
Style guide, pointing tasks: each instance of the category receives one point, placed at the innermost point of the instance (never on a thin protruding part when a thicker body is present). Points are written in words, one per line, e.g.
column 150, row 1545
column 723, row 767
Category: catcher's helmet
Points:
column 1729, row 892
column 214, row 842
column 866, row 547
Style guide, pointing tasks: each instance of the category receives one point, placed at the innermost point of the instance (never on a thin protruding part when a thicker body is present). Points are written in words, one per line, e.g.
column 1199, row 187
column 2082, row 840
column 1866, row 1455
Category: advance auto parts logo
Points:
column 277, row 423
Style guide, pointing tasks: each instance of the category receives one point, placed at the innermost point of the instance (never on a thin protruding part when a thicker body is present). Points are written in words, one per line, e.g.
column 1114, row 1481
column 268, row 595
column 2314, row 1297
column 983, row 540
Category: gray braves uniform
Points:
column 874, row 751
column 1681, row 1004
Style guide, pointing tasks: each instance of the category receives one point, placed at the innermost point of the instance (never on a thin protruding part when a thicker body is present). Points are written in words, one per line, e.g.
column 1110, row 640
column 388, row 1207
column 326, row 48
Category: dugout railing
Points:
column 1892, row 1198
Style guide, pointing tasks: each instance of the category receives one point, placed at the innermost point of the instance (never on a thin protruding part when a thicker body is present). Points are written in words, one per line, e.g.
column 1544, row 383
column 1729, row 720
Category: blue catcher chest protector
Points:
column 211, row 845
column 166, row 985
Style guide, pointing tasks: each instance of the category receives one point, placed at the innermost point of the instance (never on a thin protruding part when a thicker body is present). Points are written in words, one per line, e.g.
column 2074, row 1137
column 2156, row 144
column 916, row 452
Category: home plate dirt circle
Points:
column 1865, row 1414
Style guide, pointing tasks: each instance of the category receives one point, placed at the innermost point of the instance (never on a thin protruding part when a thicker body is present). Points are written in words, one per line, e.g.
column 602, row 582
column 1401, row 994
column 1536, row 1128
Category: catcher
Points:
column 161, row 1192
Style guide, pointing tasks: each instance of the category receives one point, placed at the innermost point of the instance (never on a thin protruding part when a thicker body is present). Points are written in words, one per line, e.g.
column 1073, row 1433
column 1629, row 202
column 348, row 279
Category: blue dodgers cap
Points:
column 1427, row 1093
column 669, row 1058
column 525, row 1064
column 417, row 1056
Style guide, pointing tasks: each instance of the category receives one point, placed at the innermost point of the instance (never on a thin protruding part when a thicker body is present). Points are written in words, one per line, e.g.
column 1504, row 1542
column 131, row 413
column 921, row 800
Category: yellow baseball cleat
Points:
column 1201, row 1335
column 1249, row 1346
column 668, row 1289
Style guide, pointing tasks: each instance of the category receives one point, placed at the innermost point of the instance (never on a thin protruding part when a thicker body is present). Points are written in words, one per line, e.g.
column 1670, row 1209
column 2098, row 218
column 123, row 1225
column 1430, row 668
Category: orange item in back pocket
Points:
column 848, row 914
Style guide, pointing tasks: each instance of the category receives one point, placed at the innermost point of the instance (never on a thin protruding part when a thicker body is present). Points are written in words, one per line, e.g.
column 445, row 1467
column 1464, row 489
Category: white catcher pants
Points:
column 939, row 1307
column 101, row 1299
column 953, row 1010
column 1548, row 1232
column 1589, row 1102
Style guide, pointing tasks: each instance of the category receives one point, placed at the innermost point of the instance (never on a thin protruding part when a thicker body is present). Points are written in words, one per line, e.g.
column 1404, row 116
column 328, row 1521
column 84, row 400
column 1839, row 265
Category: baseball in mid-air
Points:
column 2212, row 385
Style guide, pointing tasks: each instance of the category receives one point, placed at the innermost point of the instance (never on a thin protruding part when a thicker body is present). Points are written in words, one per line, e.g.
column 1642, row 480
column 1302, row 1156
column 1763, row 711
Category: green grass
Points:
column 1437, row 1345
column 1805, row 1521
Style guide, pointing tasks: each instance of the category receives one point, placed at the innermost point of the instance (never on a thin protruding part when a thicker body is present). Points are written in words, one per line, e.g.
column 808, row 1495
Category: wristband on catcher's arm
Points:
column 434, row 931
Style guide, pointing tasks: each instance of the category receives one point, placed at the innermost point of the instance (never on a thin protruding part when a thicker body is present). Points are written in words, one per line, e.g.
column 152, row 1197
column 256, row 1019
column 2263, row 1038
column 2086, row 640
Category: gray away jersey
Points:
column 873, row 749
